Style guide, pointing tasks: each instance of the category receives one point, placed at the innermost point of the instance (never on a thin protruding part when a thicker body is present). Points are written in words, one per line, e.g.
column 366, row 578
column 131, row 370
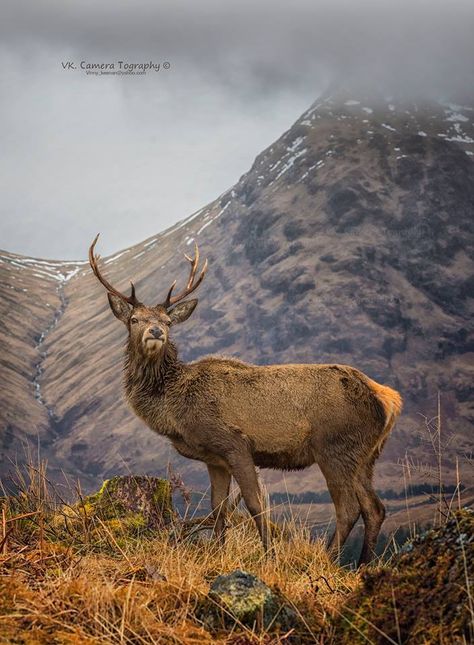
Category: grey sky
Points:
column 131, row 155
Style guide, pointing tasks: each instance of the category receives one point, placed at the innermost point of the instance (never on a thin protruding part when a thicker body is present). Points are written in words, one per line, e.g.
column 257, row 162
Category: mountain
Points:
column 349, row 240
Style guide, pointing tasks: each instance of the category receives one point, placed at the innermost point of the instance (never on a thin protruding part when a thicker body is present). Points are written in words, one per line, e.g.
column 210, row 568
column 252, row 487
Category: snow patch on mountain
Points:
column 60, row 271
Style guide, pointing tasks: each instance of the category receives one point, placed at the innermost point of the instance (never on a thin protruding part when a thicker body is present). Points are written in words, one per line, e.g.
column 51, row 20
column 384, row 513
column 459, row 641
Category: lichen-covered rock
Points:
column 138, row 501
column 126, row 507
column 422, row 596
column 240, row 598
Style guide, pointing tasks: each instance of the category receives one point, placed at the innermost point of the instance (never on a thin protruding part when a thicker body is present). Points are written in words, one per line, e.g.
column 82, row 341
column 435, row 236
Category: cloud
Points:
column 133, row 155
column 268, row 44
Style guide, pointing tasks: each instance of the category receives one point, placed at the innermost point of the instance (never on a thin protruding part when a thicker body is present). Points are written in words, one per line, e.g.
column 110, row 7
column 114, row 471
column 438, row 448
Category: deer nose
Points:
column 156, row 332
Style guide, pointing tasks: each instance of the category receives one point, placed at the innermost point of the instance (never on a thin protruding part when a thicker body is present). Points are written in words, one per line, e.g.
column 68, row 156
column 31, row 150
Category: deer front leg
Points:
column 220, row 485
column 243, row 471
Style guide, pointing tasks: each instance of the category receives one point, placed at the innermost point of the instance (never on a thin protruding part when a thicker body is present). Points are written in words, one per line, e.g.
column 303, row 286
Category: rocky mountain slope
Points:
column 349, row 240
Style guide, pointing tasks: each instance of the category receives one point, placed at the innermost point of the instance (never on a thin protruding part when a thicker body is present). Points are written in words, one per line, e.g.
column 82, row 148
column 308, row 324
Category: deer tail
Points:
column 392, row 404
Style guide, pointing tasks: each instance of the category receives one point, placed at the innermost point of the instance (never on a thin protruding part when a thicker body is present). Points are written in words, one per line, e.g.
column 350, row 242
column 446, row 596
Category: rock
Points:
column 240, row 598
column 421, row 596
column 134, row 501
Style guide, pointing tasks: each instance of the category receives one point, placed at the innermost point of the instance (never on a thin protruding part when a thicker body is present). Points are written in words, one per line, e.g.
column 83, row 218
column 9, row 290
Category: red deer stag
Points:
column 234, row 416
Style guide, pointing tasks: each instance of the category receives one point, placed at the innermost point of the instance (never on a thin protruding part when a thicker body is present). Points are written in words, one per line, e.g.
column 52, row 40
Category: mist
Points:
column 131, row 155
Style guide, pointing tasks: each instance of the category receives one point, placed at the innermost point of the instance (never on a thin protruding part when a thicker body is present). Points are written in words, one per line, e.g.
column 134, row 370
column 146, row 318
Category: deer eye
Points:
column 134, row 320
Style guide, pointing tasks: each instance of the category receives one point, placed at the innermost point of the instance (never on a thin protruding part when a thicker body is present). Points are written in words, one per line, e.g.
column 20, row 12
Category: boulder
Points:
column 240, row 598
column 133, row 502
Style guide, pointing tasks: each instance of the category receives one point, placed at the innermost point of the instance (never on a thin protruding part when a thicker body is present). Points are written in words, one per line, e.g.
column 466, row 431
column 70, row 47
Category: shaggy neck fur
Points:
column 151, row 375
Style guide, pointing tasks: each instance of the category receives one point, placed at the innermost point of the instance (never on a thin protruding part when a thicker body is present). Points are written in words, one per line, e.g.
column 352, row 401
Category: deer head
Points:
column 148, row 326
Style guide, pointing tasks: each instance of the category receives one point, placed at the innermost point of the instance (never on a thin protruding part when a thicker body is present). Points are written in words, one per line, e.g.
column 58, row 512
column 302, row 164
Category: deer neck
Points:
column 152, row 376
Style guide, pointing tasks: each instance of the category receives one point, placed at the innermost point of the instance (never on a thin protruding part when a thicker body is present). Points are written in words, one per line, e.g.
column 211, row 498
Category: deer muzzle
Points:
column 153, row 340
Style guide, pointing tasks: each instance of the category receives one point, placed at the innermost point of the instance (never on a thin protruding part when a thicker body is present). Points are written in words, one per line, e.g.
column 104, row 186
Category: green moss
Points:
column 162, row 498
column 104, row 503
column 132, row 524
column 131, row 505
column 124, row 509
column 422, row 597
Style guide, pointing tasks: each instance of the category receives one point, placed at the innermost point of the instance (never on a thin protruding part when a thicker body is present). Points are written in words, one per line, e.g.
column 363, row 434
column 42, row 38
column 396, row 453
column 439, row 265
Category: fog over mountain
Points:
column 133, row 155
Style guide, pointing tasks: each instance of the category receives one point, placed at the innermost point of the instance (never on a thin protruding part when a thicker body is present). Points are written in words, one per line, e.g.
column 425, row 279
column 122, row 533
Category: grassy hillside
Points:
column 90, row 571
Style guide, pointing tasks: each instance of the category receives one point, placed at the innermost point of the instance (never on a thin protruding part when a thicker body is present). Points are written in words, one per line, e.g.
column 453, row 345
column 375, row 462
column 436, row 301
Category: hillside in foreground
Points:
column 349, row 240
column 94, row 571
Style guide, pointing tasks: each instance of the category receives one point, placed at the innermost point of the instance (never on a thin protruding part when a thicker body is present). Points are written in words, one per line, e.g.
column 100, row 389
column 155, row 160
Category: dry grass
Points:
column 67, row 582
column 69, row 577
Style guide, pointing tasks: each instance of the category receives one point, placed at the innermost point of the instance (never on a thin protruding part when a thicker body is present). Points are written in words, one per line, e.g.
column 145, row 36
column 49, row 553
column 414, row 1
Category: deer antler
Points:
column 94, row 262
column 191, row 285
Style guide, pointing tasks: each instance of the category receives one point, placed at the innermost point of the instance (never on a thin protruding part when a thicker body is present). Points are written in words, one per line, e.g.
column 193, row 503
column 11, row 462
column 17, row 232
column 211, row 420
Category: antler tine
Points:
column 94, row 262
column 168, row 297
column 194, row 265
column 191, row 284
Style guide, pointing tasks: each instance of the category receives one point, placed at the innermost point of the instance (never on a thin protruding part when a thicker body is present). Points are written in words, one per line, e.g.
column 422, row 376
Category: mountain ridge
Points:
column 339, row 243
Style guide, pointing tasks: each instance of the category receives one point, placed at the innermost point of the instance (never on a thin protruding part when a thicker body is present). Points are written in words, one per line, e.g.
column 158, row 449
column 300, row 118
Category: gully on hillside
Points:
column 42, row 352
column 57, row 271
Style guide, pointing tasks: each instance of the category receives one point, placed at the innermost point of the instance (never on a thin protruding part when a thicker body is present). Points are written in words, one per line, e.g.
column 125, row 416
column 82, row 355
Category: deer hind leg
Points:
column 347, row 508
column 373, row 513
column 244, row 473
column 220, row 485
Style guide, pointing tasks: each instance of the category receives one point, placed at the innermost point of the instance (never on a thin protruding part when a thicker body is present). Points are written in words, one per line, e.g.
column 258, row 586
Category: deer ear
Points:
column 182, row 311
column 120, row 308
